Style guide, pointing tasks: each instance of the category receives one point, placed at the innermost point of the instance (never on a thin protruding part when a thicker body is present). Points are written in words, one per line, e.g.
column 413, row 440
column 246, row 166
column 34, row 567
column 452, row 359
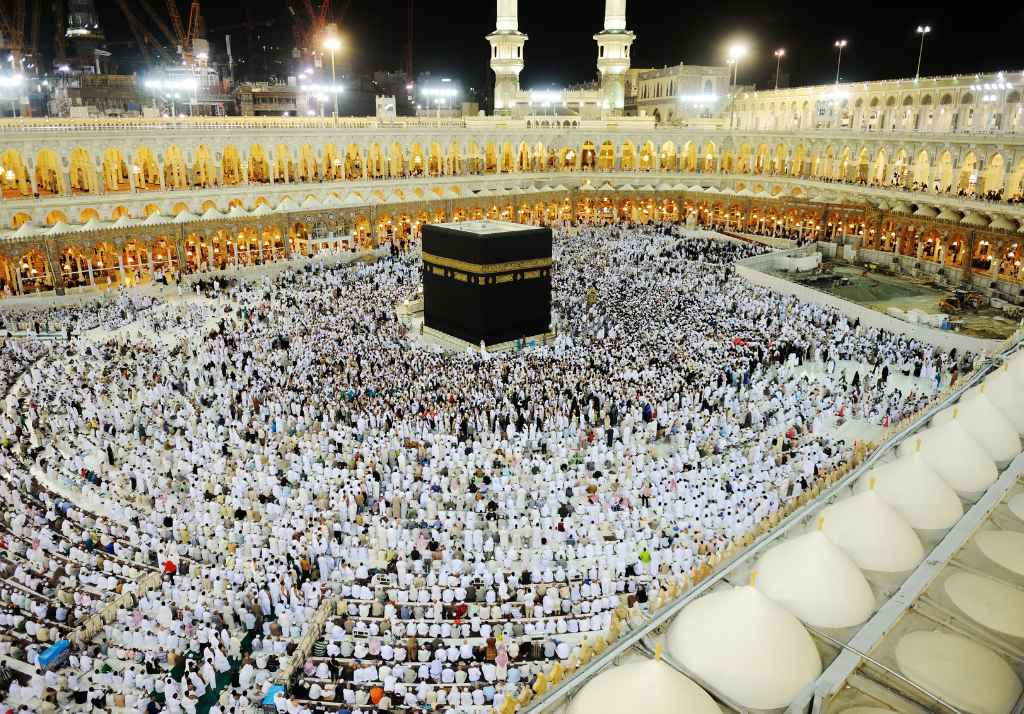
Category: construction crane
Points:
column 33, row 43
column 143, row 37
column 195, row 24
column 315, row 20
column 158, row 20
column 186, row 34
column 59, row 38
column 12, row 25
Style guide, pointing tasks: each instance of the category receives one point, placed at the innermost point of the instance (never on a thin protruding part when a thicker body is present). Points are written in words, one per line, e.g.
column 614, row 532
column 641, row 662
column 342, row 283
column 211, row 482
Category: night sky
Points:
column 449, row 36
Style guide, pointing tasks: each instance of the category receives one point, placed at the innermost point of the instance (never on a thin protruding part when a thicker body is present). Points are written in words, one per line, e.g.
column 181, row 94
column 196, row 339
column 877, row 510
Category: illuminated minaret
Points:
column 506, row 55
column 613, row 45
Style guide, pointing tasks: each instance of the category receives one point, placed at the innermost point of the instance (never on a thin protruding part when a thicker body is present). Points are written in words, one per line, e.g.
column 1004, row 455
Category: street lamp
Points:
column 840, row 44
column 922, row 30
column 736, row 53
column 779, row 54
column 332, row 43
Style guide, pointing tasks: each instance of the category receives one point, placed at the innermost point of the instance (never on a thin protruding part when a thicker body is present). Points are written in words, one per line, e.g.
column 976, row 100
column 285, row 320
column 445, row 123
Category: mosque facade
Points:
column 928, row 174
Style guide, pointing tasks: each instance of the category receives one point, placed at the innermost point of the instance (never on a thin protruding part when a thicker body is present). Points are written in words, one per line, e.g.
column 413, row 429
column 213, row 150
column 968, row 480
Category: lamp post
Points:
column 332, row 43
column 922, row 30
column 779, row 54
column 840, row 44
column 736, row 53
column 13, row 84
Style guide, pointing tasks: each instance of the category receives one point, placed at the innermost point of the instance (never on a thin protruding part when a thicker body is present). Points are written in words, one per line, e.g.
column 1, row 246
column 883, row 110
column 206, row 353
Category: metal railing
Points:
column 800, row 515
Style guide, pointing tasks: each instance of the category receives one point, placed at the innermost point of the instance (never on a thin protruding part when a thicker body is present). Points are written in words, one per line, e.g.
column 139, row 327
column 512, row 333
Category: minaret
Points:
column 506, row 55
column 613, row 45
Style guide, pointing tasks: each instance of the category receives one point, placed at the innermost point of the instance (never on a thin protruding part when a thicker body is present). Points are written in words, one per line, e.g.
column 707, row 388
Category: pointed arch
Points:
column 308, row 168
column 259, row 164
column 231, row 166
column 331, row 164
column 994, row 175
column 14, row 177
column 648, row 157
column 175, row 173
column 146, row 169
column 921, row 170
column 396, row 161
column 354, row 163
column 628, row 161
column 967, row 177
column 668, row 159
column 49, row 179
column 284, row 164
column 115, row 171
column 204, row 175
column 82, row 172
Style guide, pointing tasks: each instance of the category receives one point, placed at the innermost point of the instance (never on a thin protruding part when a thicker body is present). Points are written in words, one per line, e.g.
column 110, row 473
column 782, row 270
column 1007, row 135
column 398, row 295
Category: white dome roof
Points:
column 967, row 675
column 650, row 687
column 1005, row 548
column 1016, row 505
column 816, row 582
column 957, row 458
column 986, row 424
column 746, row 646
column 1016, row 366
column 873, row 534
column 989, row 602
column 910, row 486
column 1006, row 390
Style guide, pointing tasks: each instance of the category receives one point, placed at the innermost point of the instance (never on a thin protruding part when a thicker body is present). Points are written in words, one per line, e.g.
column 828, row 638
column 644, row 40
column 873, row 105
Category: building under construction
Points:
column 159, row 57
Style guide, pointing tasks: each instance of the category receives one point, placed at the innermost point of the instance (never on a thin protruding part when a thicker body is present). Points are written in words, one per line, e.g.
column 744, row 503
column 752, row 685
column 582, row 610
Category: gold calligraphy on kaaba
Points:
column 487, row 268
column 488, row 273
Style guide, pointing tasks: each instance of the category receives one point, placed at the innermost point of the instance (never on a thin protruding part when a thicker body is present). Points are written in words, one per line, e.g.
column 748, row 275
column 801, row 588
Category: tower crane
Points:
column 12, row 25
column 317, row 20
column 59, row 39
column 186, row 34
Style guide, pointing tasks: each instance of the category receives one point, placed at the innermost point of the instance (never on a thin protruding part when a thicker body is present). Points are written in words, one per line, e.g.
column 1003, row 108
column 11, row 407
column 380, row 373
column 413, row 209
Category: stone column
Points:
column 179, row 249
column 286, row 240
column 55, row 275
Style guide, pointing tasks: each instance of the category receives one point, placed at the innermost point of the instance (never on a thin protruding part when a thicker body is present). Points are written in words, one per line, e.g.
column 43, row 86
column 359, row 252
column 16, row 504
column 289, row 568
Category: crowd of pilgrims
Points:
column 111, row 312
column 275, row 445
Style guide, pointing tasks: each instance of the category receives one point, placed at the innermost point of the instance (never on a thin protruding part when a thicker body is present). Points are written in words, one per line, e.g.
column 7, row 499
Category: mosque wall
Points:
column 116, row 167
column 99, row 201
column 973, row 103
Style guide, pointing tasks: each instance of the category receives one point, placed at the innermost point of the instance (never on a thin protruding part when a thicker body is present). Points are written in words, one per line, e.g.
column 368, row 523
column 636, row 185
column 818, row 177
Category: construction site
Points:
column 923, row 300
column 64, row 61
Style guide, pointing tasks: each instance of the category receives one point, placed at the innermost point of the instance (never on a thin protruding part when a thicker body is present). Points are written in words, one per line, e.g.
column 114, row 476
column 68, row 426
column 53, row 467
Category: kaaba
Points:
column 487, row 280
